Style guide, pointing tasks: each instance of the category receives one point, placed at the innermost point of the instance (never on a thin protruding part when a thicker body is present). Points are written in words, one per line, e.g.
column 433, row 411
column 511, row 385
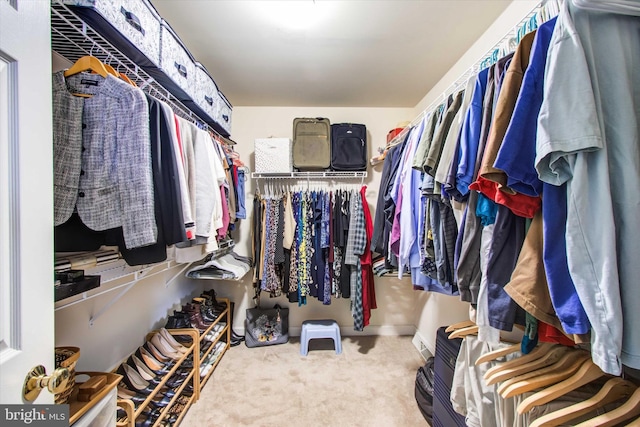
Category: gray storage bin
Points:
column 132, row 26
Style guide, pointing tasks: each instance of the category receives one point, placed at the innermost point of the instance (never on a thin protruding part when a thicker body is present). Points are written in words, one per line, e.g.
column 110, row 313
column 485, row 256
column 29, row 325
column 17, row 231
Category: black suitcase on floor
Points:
column 424, row 390
column 348, row 147
column 444, row 366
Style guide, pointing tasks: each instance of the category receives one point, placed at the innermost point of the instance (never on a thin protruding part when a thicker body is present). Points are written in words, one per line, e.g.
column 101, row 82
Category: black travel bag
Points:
column 348, row 147
column 424, row 389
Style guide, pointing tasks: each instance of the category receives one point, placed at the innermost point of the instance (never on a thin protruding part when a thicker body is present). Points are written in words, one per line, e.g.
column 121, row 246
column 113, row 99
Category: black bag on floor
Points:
column 348, row 147
column 424, row 389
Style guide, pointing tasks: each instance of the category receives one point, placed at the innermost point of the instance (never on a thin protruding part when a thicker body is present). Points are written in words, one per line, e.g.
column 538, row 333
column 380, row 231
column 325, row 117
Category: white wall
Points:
column 122, row 328
column 401, row 310
column 396, row 299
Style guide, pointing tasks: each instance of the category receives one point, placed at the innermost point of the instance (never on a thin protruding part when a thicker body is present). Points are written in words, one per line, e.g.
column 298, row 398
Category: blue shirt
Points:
column 469, row 140
column 517, row 154
column 517, row 158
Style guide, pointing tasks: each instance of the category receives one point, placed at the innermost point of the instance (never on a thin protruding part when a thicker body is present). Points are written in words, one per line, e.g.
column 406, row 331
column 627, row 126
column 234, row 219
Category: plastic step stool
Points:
column 312, row 329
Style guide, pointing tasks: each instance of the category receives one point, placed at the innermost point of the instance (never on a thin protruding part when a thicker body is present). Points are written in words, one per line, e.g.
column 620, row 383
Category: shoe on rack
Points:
column 207, row 314
column 192, row 309
column 133, row 380
column 176, row 381
column 212, row 293
column 172, row 341
column 165, row 348
column 152, row 363
column 160, row 401
column 197, row 323
column 155, row 352
column 144, row 371
column 174, row 322
column 125, row 393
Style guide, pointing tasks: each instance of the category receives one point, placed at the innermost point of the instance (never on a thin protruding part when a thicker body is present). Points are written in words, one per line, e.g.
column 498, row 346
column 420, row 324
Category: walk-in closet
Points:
column 318, row 212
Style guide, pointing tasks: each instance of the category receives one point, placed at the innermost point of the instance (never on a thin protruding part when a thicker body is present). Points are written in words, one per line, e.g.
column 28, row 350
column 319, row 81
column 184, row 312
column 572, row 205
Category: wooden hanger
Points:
column 87, row 63
column 614, row 389
column 111, row 70
column 634, row 423
column 459, row 325
column 463, row 332
column 629, row 410
column 548, row 358
column 565, row 361
column 535, row 354
column 560, row 371
column 588, row 372
column 126, row 78
column 496, row 354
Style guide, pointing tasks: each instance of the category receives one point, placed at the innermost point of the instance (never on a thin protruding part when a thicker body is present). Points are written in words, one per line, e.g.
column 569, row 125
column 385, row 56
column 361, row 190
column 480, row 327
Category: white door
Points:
column 26, row 196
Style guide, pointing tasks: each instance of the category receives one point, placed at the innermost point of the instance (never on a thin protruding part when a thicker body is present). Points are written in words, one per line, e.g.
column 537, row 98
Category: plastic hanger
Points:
column 588, row 372
column 496, row 354
column 614, row 389
column 629, row 410
column 547, row 359
column 536, row 354
column 559, row 371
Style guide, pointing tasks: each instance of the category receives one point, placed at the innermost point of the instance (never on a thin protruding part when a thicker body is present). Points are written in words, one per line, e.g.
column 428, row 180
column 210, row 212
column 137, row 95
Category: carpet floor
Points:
column 370, row 384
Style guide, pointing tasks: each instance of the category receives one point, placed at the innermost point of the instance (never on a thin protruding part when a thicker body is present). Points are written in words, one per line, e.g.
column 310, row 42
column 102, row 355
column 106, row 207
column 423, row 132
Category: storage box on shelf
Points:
column 192, row 379
column 132, row 26
column 273, row 155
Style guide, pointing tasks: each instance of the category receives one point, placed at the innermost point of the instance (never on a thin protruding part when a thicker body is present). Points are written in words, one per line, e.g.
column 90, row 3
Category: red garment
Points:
column 520, row 204
column 189, row 230
column 548, row 333
column 368, row 285
column 178, row 136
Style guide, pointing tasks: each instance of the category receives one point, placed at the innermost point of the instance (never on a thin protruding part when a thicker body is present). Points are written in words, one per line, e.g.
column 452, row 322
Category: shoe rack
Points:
column 181, row 397
column 211, row 354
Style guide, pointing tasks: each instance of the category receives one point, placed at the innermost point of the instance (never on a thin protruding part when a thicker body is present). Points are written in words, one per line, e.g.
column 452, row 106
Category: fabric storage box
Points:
column 223, row 120
column 132, row 26
column 273, row 155
column 205, row 101
column 177, row 71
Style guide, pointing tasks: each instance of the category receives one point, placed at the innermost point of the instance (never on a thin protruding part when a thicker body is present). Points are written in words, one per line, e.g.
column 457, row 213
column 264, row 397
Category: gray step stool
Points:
column 312, row 329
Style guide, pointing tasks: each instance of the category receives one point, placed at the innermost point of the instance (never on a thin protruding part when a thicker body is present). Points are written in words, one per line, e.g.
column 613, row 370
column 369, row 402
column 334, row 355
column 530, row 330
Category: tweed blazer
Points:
column 102, row 156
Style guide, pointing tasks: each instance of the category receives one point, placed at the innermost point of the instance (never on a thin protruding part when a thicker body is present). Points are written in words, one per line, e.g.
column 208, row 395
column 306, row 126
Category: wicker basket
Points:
column 67, row 357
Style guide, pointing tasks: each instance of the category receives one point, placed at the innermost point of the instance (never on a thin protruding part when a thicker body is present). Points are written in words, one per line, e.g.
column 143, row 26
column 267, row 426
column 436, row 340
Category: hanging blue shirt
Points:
column 470, row 139
column 517, row 158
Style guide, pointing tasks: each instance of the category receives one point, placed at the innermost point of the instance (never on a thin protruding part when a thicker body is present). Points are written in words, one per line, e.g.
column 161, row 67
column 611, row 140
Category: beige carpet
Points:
column 370, row 384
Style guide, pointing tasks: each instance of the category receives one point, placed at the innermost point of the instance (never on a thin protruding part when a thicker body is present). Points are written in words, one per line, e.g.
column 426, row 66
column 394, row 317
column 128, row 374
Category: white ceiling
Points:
column 335, row 53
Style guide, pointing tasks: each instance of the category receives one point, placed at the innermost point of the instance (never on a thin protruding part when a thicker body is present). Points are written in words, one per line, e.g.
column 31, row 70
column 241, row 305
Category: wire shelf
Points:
column 308, row 175
column 72, row 39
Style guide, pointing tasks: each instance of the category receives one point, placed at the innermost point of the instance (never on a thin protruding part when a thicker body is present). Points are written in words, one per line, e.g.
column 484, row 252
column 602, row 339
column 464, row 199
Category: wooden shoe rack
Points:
column 194, row 350
column 199, row 351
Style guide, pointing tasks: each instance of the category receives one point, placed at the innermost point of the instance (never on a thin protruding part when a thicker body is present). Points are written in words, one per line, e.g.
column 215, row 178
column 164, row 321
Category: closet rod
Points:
column 466, row 75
